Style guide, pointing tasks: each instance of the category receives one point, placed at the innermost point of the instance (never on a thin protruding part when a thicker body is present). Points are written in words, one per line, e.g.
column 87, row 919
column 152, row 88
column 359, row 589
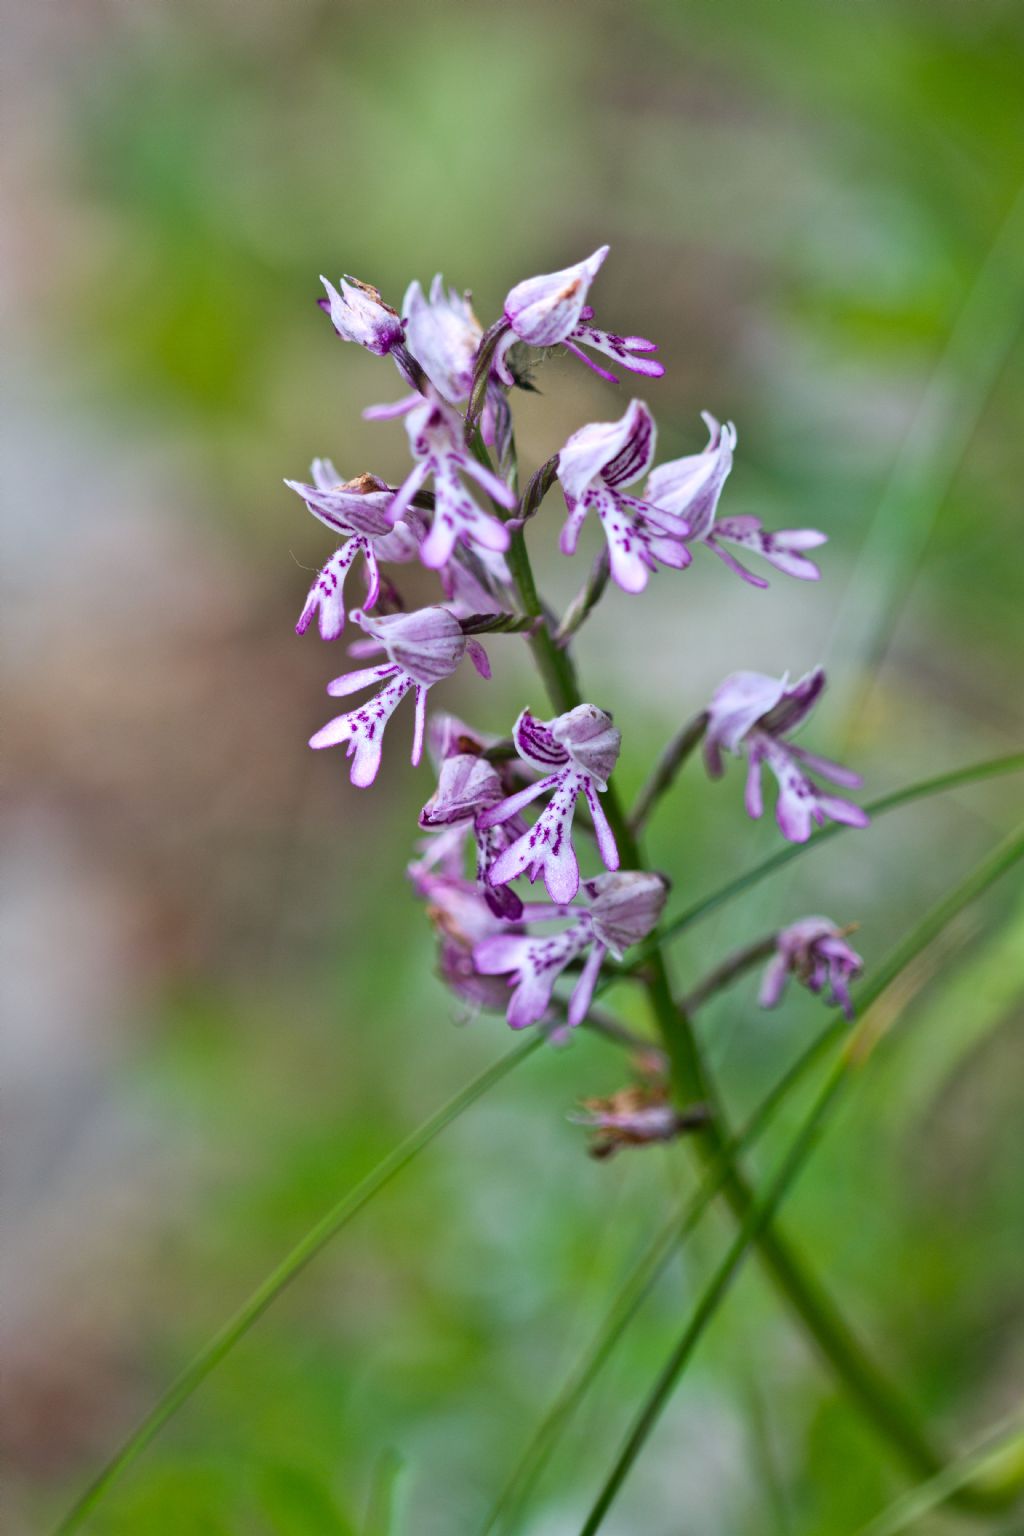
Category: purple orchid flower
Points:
column 359, row 314
column 815, row 951
column 622, row 909
column 582, row 747
column 443, row 335
column 461, row 919
column 594, row 465
column 468, row 786
column 358, row 511
column 754, row 713
column 422, row 648
column 436, row 436
column 691, row 487
column 551, row 310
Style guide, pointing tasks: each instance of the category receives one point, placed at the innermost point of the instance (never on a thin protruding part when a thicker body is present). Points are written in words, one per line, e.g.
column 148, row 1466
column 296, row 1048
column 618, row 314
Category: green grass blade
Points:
column 1001, row 1451
column 955, row 779
column 982, row 336
column 763, row 1209
column 638, row 1286
column 380, row 1514
column 304, row 1251
column 756, row 1220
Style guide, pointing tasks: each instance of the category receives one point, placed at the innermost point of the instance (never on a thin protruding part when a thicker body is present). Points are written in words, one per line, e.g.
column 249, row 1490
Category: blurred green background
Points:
column 221, row 1002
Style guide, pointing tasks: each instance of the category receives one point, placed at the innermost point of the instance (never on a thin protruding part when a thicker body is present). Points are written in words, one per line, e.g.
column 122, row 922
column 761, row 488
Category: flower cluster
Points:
column 534, row 804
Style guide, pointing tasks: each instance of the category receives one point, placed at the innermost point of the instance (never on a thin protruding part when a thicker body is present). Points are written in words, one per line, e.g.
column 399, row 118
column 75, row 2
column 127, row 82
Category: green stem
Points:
column 753, row 1227
column 553, row 664
column 667, row 767
column 642, row 1279
column 732, row 966
column 585, row 600
column 878, row 1398
column 867, row 1385
column 304, row 1251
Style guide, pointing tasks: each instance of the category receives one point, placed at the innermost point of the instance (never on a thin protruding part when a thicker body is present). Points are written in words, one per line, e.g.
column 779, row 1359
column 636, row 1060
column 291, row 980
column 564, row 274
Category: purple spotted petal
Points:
column 536, row 744
column 327, row 594
column 546, row 848
column 362, row 731
column 782, row 549
column 533, row 965
column 624, row 350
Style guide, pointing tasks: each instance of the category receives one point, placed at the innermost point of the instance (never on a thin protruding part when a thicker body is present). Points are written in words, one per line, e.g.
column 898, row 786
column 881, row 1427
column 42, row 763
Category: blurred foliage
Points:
column 799, row 197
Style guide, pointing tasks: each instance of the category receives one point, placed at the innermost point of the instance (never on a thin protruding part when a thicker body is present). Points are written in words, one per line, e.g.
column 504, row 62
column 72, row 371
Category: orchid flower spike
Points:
column 621, row 910
column 636, row 1117
column 552, row 310
column 578, row 751
column 815, row 951
column 691, row 487
column 436, row 437
column 358, row 511
column 594, row 465
column 422, row 648
column 752, row 713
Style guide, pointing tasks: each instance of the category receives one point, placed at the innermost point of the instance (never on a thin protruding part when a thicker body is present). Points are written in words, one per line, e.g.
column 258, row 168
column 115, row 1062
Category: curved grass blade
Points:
column 1002, row 1449
column 763, row 1209
column 638, row 1286
column 304, row 1251
column 380, row 1515
column 974, row 774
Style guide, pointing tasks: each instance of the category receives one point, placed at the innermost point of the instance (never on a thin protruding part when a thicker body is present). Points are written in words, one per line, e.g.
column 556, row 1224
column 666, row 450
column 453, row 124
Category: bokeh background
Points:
column 221, row 1006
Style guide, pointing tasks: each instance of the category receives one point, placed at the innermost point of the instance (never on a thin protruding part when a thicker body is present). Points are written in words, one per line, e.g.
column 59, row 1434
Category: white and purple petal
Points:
column 544, row 310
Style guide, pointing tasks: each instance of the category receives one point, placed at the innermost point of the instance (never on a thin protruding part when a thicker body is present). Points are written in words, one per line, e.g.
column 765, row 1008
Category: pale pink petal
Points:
column 543, row 310
column 583, row 992
column 352, row 682
column 773, row 982
column 605, row 837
